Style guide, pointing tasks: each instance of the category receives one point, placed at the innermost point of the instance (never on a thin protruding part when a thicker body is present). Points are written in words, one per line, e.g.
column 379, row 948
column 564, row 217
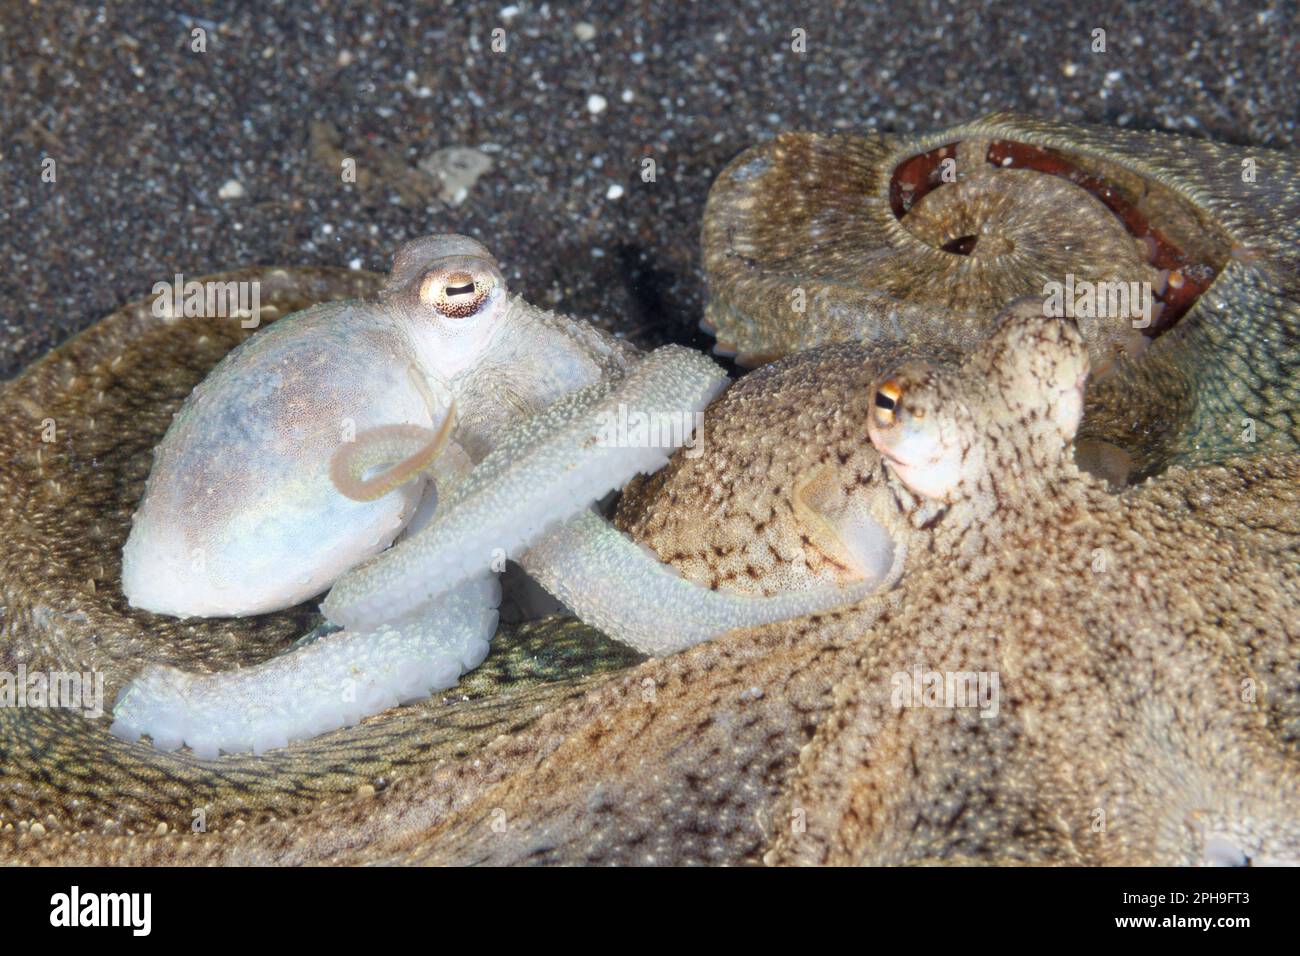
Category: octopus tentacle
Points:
column 330, row 683
column 435, row 621
column 405, row 450
column 544, row 470
column 621, row 587
column 921, row 240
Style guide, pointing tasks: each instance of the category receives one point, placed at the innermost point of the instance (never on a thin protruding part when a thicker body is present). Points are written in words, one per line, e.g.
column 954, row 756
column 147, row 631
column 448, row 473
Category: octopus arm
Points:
column 615, row 584
column 423, row 612
column 402, row 452
column 544, row 470
column 329, row 683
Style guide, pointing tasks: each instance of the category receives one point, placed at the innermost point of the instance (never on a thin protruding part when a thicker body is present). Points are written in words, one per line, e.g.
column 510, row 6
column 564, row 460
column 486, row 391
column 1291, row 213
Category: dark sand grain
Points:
column 145, row 132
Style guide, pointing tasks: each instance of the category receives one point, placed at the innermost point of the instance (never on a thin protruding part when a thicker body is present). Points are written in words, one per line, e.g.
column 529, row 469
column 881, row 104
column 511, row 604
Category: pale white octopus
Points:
column 449, row 414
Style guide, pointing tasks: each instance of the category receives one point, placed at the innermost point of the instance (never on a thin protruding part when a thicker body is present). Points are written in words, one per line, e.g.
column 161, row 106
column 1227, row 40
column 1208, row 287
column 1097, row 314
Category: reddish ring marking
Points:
column 921, row 174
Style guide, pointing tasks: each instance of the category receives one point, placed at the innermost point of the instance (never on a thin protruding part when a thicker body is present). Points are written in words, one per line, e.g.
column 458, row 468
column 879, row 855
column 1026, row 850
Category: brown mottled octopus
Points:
column 1144, row 643
column 1146, row 708
column 922, row 239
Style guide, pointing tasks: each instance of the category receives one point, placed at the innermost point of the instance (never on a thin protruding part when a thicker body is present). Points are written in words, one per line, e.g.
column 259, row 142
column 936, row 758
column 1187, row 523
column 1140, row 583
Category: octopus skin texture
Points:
column 792, row 718
column 296, row 463
column 922, row 240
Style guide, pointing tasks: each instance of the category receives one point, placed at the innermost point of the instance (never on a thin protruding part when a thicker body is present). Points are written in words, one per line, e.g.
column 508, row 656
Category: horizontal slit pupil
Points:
column 465, row 289
column 884, row 401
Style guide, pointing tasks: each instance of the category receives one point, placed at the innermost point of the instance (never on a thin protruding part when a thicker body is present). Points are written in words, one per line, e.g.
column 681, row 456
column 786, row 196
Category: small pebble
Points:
column 614, row 192
column 457, row 169
column 596, row 104
column 584, row 31
column 231, row 189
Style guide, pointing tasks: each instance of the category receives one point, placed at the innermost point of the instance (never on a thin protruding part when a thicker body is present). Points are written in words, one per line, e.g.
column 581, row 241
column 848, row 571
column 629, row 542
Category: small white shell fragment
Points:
column 457, row 169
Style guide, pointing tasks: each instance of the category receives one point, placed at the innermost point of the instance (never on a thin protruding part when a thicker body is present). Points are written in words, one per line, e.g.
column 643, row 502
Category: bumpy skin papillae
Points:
column 612, row 776
column 547, row 469
column 332, row 682
column 441, row 322
column 812, row 213
column 605, row 578
column 783, row 497
column 1146, row 658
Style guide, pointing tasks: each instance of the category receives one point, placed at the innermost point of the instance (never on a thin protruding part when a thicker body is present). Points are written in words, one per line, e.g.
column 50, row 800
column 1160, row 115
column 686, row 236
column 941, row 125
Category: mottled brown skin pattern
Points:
column 1257, row 499
column 1147, row 655
column 751, row 702
column 754, row 512
column 691, row 759
column 676, row 761
column 809, row 212
column 679, row 762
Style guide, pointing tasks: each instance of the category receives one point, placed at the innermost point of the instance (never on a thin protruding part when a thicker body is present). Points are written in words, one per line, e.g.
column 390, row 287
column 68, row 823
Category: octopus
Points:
column 303, row 454
column 473, row 425
column 78, row 428
column 1145, row 646
column 1178, row 257
column 882, row 551
column 97, row 629
column 1146, row 660
column 1146, row 705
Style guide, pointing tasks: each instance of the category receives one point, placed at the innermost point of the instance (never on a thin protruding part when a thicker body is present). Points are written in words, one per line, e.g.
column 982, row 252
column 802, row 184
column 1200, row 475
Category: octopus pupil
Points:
column 962, row 245
column 884, row 401
column 465, row 289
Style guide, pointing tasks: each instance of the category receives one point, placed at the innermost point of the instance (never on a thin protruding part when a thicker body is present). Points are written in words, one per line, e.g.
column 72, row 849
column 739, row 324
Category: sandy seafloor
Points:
column 145, row 132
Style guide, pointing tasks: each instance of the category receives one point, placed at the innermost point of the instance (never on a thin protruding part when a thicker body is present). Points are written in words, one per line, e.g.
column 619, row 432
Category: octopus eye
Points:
column 886, row 401
column 457, row 295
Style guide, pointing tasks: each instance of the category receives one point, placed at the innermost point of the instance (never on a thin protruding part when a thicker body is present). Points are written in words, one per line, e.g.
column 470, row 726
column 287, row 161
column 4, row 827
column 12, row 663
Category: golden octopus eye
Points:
column 886, row 400
column 457, row 295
